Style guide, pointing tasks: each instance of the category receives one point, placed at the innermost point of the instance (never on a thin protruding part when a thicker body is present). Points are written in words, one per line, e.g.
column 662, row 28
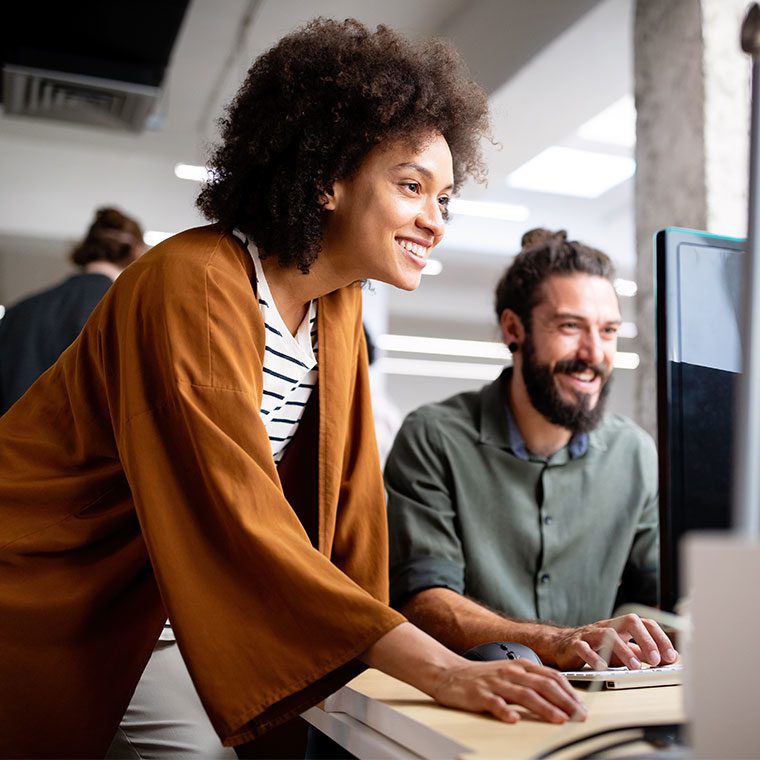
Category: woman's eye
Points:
column 412, row 186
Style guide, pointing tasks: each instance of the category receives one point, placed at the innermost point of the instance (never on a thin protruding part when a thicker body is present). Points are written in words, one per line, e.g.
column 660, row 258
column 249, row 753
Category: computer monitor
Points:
column 697, row 291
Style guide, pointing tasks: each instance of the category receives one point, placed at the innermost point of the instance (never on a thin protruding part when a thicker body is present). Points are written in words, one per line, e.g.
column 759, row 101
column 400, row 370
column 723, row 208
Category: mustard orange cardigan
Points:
column 137, row 481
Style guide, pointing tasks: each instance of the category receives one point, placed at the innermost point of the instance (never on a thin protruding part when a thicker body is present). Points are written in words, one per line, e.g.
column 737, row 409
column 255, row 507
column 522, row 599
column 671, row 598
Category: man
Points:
column 523, row 501
column 36, row 330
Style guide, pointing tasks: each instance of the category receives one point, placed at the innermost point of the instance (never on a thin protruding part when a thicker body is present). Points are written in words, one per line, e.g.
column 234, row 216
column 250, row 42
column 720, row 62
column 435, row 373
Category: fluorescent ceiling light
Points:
column 475, row 349
column 508, row 212
column 468, row 370
column 418, row 344
column 625, row 288
column 154, row 237
column 189, row 171
column 433, row 266
column 626, row 360
column 427, row 368
column 628, row 330
column 616, row 125
column 569, row 171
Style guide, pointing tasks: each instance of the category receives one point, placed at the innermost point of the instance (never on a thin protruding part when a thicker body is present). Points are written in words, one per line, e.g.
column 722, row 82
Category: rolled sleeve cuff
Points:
column 423, row 573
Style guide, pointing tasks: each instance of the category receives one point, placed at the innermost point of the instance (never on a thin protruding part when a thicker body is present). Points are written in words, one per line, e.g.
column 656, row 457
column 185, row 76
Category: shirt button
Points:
column 548, row 520
column 545, row 578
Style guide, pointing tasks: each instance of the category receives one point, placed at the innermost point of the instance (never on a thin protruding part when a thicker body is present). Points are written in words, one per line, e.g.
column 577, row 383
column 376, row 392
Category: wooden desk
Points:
column 376, row 716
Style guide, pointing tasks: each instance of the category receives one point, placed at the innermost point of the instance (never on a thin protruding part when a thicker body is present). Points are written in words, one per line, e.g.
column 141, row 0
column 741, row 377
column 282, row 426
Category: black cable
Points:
column 659, row 735
column 665, row 734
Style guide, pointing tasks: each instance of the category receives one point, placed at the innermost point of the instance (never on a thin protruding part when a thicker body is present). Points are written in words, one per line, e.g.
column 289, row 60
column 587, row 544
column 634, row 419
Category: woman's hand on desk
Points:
column 409, row 654
column 493, row 686
column 626, row 640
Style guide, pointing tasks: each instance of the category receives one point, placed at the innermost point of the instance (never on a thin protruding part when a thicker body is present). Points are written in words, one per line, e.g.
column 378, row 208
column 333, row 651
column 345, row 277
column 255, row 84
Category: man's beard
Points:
column 578, row 417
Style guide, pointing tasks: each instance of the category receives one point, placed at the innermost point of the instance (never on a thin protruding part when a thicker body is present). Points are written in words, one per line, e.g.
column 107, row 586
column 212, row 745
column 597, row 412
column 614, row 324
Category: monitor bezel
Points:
column 668, row 415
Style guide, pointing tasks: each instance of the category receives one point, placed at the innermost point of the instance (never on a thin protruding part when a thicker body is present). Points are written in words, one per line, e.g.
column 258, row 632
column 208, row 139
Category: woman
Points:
column 145, row 477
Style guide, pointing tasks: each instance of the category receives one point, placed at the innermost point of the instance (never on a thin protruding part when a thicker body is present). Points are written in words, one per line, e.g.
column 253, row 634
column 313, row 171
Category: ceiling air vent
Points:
column 77, row 98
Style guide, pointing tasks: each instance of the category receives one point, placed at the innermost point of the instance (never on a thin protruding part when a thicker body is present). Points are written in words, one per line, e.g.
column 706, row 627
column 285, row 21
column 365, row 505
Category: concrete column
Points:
column 692, row 102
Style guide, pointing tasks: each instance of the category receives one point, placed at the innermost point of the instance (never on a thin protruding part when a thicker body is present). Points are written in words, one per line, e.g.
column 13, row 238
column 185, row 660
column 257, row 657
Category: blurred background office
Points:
column 117, row 103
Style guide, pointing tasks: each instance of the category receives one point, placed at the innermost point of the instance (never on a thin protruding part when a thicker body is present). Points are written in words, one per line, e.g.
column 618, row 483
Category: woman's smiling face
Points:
column 383, row 222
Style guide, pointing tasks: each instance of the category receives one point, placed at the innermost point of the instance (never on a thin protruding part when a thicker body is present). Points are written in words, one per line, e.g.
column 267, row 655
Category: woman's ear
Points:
column 327, row 198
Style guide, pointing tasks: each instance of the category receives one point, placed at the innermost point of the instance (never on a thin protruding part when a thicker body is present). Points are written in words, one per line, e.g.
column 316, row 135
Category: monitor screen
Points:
column 697, row 285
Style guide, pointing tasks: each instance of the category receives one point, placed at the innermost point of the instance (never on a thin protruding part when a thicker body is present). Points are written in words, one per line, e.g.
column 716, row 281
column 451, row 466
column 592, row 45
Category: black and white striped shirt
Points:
column 290, row 366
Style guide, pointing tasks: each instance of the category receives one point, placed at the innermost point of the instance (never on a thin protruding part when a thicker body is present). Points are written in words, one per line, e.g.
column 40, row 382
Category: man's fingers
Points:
column 590, row 656
column 631, row 626
column 610, row 648
column 654, row 645
column 613, row 647
column 663, row 643
column 624, row 652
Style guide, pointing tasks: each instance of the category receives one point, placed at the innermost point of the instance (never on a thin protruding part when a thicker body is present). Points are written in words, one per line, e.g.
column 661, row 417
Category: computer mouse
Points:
column 502, row 650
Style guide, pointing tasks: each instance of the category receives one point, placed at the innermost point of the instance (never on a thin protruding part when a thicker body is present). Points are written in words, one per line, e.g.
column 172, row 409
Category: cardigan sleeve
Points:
column 360, row 546
column 266, row 623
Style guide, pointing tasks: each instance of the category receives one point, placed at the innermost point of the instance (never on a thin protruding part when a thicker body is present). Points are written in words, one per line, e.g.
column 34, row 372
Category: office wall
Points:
column 28, row 264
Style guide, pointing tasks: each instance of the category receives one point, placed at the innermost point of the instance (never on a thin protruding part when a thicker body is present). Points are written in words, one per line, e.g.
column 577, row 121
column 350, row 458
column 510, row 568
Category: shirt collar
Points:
column 498, row 426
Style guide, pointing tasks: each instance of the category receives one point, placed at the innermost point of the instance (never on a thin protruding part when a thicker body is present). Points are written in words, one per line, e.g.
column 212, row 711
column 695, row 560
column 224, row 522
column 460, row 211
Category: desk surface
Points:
column 377, row 716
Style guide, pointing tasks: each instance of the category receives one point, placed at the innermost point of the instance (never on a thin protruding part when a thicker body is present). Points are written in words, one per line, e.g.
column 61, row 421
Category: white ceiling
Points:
column 549, row 65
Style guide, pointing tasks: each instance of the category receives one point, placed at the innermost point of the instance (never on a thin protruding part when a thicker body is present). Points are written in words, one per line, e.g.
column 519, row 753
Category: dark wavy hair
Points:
column 309, row 112
column 112, row 236
column 544, row 254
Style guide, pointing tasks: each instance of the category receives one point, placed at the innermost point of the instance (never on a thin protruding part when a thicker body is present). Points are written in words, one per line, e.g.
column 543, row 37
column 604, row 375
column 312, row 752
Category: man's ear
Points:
column 512, row 330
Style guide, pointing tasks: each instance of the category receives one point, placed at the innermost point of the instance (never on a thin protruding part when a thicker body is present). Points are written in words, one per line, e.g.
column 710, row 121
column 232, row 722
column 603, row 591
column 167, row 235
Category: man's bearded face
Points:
column 579, row 415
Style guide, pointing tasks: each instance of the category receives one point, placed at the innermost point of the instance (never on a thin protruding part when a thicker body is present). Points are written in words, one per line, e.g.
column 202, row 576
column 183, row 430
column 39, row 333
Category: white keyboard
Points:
column 622, row 678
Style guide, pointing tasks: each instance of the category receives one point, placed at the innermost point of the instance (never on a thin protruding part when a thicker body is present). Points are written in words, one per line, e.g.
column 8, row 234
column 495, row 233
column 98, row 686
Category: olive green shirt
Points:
column 555, row 539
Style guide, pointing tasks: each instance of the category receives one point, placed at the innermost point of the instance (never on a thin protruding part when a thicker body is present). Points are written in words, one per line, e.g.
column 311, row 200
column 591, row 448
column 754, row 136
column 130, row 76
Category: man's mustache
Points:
column 571, row 366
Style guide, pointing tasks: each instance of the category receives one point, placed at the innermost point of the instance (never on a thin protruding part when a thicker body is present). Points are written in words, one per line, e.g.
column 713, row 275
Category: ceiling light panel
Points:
column 191, row 172
column 625, row 288
column 508, row 212
column 419, row 344
column 616, row 125
column 569, row 171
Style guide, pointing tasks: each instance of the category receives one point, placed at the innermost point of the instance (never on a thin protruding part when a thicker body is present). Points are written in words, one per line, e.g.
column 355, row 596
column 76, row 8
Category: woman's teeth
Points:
column 408, row 245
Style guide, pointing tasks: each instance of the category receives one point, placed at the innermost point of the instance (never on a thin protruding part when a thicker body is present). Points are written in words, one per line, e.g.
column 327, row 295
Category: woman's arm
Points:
column 409, row 654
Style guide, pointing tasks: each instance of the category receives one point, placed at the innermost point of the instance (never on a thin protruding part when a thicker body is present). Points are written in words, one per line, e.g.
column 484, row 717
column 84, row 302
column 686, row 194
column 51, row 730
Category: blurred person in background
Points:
column 36, row 330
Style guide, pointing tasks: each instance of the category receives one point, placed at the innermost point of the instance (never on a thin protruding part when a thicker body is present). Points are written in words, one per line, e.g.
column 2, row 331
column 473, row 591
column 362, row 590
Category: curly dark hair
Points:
column 309, row 112
column 112, row 236
column 545, row 253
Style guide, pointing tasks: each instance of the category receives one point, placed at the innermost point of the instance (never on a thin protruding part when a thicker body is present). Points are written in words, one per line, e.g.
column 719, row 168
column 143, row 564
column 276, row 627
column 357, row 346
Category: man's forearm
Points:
column 461, row 623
